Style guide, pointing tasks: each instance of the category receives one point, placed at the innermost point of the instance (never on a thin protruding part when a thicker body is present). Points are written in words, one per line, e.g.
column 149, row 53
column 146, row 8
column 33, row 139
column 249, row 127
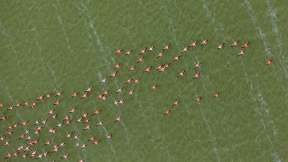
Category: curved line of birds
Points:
column 30, row 137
